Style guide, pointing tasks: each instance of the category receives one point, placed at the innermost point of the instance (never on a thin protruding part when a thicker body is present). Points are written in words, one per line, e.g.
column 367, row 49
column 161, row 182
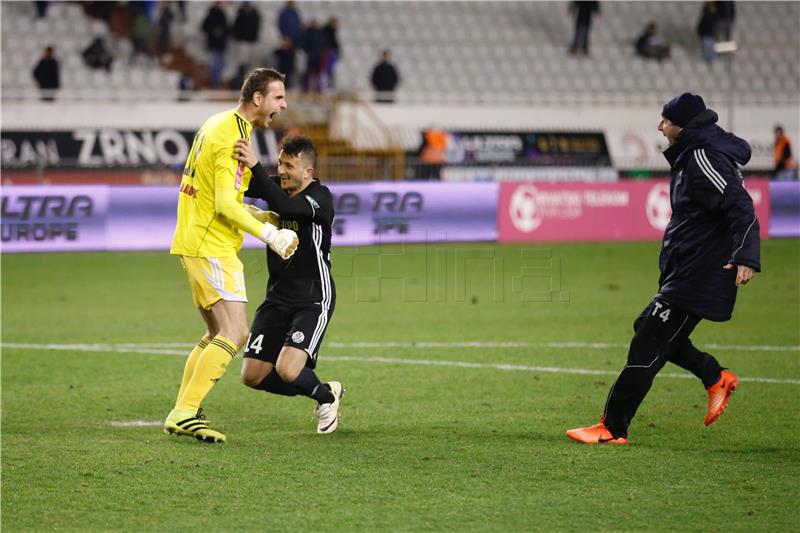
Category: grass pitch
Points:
column 464, row 366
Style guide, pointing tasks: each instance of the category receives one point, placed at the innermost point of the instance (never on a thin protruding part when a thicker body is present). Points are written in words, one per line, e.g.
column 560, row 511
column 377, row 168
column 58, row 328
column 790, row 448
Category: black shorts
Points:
column 276, row 326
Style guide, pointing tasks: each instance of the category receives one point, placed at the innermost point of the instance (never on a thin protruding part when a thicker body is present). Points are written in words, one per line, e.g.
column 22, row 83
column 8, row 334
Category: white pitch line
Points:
column 116, row 348
column 553, row 344
column 135, row 423
column 131, row 348
column 490, row 344
column 528, row 368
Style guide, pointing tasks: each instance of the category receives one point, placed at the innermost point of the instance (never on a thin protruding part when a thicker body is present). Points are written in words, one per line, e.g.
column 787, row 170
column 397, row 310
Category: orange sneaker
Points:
column 719, row 394
column 597, row 434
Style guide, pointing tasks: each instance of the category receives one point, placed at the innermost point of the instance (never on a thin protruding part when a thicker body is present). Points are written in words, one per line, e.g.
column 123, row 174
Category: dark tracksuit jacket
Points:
column 713, row 220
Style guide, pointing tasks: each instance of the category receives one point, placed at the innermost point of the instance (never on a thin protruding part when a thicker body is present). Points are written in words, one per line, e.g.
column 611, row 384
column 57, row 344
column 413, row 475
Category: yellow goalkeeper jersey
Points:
column 210, row 222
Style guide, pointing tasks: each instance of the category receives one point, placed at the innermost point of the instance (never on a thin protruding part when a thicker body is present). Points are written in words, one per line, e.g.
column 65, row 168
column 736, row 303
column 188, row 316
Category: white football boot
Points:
column 328, row 413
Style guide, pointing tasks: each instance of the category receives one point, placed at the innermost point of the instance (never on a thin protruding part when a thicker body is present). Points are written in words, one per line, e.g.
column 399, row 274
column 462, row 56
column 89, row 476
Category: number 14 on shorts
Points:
column 255, row 345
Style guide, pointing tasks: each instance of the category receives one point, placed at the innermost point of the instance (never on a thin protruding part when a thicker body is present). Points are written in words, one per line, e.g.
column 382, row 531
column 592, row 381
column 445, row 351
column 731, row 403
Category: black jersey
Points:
column 305, row 278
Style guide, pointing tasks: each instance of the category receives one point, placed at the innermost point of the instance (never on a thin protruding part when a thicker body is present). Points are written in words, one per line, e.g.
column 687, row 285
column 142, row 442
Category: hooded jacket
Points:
column 713, row 220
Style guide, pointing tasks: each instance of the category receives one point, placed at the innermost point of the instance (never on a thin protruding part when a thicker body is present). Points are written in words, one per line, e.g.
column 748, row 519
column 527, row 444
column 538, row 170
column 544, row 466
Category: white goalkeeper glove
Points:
column 281, row 241
column 267, row 217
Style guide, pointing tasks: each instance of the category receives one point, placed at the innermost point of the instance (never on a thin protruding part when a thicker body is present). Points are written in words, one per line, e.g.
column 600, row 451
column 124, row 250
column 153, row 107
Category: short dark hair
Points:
column 300, row 145
column 258, row 80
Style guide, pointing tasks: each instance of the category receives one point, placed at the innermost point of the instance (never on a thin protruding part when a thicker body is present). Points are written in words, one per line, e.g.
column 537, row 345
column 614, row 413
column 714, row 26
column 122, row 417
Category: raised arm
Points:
column 227, row 182
column 263, row 187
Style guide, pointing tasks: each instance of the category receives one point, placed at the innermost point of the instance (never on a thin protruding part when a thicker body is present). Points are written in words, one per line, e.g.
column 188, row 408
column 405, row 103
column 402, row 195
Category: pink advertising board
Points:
column 544, row 212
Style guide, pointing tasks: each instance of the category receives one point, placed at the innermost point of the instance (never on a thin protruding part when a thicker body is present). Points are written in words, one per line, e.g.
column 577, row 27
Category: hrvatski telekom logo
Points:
column 523, row 210
column 658, row 207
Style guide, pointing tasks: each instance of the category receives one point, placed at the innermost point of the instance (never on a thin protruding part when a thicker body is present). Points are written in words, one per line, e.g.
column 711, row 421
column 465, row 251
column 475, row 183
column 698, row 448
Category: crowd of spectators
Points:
column 319, row 46
column 147, row 26
column 309, row 50
column 715, row 24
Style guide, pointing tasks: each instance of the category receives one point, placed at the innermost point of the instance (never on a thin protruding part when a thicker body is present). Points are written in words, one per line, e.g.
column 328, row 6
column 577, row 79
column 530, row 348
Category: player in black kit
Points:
column 281, row 352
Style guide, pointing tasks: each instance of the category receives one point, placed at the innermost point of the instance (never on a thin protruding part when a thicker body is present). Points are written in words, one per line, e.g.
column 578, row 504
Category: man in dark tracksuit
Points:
column 711, row 246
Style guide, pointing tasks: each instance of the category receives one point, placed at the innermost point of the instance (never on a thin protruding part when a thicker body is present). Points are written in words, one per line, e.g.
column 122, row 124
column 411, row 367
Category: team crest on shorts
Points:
column 298, row 337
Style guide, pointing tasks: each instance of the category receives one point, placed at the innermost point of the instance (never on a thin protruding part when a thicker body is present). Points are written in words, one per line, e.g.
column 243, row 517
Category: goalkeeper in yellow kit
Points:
column 208, row 235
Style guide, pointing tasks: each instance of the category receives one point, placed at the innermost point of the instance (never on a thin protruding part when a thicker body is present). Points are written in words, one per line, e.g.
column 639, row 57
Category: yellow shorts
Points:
column 215, row 278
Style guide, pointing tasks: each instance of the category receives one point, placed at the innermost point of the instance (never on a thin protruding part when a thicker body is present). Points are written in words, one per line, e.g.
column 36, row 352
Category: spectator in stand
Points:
column 650, row 45
column 785, row 168
column 164, row 28
column 314, row 47
column 97, row 55
column 47, row 74
column 726, row 13
column 235, row 82
column 584, row 11
column 331, row 53
column 246, row 30
column 385, row 79
column 141, row 36
column 215, row 26
column 145, row 7
column 284, row 60
column 41, row 8
column 705, row 30
column 99, row 10
column 181, row 9
column 290, row 24
column 185, row 85
column 119, row 26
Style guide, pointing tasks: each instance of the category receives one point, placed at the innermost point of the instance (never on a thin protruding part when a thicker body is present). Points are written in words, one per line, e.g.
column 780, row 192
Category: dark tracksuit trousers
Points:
column 661, row 334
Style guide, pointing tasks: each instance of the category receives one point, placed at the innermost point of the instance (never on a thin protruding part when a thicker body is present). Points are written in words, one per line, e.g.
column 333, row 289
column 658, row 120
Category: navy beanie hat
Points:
column 682, row 109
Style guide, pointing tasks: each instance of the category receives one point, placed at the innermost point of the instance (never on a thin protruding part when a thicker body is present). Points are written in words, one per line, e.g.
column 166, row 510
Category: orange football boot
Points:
column 719, row 394
column 597, row 434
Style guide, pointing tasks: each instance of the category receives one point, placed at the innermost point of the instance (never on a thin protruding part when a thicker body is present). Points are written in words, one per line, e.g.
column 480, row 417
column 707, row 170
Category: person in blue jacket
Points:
column 711, row 246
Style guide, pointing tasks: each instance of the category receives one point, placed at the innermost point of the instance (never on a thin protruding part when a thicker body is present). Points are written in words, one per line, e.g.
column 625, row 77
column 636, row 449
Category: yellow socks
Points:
column 208, row 369
column 188, row 370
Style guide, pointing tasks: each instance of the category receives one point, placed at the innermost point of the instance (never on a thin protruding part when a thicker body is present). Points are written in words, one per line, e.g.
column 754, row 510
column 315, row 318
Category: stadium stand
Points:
column 517, row 49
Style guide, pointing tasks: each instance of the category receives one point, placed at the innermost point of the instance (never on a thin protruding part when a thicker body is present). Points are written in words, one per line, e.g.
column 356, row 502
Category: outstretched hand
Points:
column 743, row 273
column 243, row 151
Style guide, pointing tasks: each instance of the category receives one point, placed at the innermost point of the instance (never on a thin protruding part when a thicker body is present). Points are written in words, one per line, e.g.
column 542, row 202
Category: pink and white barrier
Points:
column 546, row 212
